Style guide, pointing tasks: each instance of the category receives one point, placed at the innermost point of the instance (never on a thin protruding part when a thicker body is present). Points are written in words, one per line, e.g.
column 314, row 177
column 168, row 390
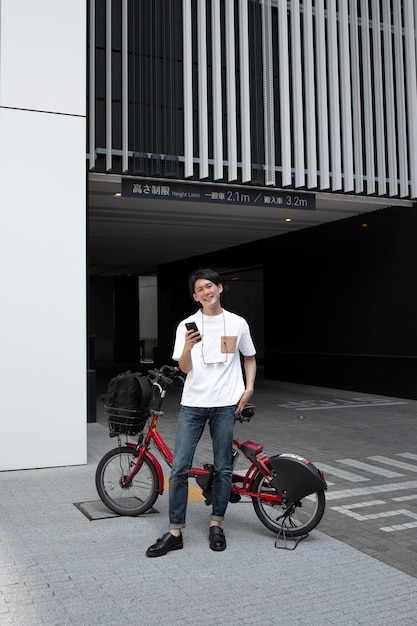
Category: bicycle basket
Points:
column 126, row 421
column 128, row 397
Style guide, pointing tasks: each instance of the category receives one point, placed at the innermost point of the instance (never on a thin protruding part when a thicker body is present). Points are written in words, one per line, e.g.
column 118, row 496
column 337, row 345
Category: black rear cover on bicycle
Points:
column 128, row 398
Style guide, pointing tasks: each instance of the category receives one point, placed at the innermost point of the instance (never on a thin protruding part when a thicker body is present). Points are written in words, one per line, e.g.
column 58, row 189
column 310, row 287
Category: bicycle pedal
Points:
column 208, row 498
column 205, row 481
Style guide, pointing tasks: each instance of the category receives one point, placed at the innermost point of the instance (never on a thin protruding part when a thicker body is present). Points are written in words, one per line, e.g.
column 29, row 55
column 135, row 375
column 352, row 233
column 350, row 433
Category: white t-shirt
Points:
column 216, row 377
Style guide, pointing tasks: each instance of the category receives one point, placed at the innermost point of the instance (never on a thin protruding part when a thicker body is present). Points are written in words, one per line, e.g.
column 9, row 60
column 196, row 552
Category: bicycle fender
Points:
column 159, row 472
column 295, row 477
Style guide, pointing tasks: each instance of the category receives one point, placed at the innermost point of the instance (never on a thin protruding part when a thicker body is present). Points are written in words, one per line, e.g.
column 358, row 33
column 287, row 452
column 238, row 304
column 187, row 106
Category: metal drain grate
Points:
column 96, row 510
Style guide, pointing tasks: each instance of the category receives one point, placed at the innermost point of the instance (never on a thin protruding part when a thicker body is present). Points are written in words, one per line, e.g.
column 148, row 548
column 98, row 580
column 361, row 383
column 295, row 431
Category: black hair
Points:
column 207, row 273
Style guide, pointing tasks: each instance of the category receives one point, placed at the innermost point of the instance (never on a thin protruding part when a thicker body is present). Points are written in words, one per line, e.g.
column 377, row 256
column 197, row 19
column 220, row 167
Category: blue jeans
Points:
column 191, row 422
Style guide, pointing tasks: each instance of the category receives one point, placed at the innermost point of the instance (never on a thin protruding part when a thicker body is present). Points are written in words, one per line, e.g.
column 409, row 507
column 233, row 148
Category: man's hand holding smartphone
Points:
column 192, row 326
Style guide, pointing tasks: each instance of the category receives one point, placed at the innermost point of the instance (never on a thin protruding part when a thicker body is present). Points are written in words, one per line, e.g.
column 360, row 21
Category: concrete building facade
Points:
column 305, row 106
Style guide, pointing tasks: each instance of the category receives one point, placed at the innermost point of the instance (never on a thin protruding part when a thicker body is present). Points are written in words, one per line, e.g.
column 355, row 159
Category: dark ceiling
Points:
column 134, row 236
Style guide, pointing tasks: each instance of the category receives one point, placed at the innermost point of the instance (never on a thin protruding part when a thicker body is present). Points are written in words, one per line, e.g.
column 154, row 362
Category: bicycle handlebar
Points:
column 165, row 375
column 246, row 414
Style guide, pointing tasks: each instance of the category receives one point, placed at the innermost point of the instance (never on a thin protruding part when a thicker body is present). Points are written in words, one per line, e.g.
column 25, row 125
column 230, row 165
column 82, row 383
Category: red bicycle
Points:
column 287, row 490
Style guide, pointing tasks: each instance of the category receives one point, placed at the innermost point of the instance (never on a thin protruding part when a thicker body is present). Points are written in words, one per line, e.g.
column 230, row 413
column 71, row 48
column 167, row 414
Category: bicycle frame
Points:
column 253, row 452
column 287, row 491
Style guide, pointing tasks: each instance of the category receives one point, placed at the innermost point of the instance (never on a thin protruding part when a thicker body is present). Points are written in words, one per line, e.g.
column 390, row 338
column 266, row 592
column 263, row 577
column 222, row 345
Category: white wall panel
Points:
column 43, row 312
column 43, row 233
column 43, row 48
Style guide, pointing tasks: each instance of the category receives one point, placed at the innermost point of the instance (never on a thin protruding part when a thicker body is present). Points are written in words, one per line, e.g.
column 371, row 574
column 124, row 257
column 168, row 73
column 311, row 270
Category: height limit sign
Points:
column 183, row 191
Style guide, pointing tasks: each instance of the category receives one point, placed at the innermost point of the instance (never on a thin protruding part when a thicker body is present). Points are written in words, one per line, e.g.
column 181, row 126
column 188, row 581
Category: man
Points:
column 214, row 391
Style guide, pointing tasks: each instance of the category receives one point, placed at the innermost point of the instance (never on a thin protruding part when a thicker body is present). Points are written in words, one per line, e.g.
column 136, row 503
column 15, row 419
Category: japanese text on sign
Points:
column 196, row 192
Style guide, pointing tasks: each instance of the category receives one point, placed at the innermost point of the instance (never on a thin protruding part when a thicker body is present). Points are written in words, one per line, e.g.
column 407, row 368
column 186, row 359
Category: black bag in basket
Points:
column 128, row 398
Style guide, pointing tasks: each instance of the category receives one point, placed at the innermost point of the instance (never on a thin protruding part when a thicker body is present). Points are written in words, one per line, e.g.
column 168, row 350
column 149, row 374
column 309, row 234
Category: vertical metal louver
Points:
column 202, row 111
column 231, row 119
column 411, row 83
column 92, row 85
column 284, row 94
column 307, row 94
column 268, row 93
column 125, row 89
column 400, row 99
column 310, row 89
column 389, row 99
column 367, row 91
column 297, row 99
column 109, row 97
column 322, row 105
column 346, row 98
column 245, row 130
column 380, row 137
column 334, row 97
column 217, row 91
column 188, row 90
column 357, row 115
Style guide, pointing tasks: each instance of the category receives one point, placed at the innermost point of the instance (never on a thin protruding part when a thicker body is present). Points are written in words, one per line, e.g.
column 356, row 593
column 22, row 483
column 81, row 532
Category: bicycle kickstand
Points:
column 288, row 541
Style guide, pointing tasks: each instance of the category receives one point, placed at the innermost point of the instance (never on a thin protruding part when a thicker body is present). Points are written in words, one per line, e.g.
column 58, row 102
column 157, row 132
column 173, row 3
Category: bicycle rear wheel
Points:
column 126, row 499
column 295, row 519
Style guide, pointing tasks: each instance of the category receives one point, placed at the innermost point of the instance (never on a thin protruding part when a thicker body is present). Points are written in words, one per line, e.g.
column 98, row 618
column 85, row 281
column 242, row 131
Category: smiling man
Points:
column 215, row 390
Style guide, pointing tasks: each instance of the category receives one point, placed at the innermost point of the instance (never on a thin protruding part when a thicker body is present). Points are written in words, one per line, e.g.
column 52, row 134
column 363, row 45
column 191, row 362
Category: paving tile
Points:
column 57, row 567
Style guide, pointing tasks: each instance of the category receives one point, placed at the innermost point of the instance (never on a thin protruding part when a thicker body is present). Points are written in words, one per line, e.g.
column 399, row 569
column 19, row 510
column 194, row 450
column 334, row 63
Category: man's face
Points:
column 207, row 293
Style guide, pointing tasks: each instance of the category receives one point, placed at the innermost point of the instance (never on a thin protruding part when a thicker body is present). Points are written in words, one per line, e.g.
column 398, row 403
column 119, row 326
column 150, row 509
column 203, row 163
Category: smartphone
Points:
column 192, row 326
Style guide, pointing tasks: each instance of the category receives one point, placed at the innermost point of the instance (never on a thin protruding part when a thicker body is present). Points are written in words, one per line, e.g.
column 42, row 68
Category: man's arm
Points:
column 249, row 365
column 184, row 362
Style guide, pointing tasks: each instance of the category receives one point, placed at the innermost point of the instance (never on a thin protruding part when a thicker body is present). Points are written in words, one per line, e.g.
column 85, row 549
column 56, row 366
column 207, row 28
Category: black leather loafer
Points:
column 217, row 538
column 165, row 544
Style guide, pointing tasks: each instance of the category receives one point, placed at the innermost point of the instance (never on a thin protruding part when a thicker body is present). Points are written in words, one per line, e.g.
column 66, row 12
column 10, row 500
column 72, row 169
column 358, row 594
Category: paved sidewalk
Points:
column 59, row 568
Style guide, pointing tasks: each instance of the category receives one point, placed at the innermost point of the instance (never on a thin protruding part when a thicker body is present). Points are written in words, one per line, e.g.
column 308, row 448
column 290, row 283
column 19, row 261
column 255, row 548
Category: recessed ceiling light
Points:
column 288, row 219
column 117, row 194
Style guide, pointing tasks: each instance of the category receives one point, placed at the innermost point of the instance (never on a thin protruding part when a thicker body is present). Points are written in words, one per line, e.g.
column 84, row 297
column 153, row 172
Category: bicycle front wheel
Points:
column 295, row 519
column 132, row 498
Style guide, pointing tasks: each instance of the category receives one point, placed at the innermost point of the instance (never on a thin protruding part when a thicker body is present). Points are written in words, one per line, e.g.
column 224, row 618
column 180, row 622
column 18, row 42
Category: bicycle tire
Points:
column 304, row 517
column 133, row 499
